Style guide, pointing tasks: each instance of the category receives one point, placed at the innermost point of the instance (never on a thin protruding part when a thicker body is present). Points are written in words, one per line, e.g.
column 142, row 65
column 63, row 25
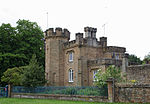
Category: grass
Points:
column 44, row 101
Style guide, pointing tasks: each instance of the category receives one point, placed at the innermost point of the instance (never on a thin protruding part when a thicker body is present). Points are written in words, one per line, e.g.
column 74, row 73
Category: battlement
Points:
column 90, row 32
column 116, row 49
column 104, row 61
column 70, row 44
column 58, row 32
column 103, row 41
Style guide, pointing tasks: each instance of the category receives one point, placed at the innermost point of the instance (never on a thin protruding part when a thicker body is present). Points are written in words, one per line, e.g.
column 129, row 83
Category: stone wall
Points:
column 139, row 73
column 61, row 97
column 133, row 93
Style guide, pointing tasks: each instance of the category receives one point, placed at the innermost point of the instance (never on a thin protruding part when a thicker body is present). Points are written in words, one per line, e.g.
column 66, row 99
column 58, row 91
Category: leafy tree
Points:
column 13, row 76
column 34, row 74
column 102, row 76
column 30, row 40
column 7, row 38
column 146, row 59
column 17, row 44
column 8, row 45
column 134, row 60
column 9, row 60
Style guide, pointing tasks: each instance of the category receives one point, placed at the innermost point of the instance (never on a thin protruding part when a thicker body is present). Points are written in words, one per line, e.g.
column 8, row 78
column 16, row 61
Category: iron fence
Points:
column 89, row 91
column 4, row 91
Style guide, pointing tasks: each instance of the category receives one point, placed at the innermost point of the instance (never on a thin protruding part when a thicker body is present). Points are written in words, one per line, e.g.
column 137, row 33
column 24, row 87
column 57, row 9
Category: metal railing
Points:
column 4, row 91
column 89, row 91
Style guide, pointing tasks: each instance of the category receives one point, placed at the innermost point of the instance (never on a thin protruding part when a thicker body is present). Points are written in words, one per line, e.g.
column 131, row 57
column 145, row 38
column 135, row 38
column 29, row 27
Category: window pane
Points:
column 71, row 56
column 70, row 75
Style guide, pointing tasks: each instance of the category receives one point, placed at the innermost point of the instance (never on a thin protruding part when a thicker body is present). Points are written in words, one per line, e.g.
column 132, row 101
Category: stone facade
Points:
column 133, row 93
column 87, row 53
column 139, row 73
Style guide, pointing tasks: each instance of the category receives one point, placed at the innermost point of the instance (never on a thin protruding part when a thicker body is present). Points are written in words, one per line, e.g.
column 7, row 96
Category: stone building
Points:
column 75, row 63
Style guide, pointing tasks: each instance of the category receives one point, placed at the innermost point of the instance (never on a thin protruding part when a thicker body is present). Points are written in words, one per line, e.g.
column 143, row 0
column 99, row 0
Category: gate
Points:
column 4, row 91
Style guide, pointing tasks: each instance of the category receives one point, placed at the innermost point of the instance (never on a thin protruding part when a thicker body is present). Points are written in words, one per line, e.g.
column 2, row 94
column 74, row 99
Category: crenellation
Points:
column 58, row 32
column 90, row 32
column 70, row 44
column 115, row 49
column 93, row 33
column 104, row 61
column 79, row 38
column 49, row 32
column 66, row 32
column 103, row 41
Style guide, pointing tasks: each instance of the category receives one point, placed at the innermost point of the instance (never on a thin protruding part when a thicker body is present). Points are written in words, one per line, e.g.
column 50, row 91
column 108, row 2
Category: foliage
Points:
column 9, row 60
column 134, row 60
column 102, row 76
column 18, row 44
column 30, row 38
column 13, row 76
column 34, row 74
column 146, row 59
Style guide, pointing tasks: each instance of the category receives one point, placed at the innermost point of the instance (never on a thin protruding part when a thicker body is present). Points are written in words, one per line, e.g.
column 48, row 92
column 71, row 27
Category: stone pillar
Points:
column 110, row 84
column 124, row 62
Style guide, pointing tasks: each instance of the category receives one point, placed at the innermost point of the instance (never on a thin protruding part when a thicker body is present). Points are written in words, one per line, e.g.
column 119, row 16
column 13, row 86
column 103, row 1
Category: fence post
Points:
column 9, row 90
column 110, row 83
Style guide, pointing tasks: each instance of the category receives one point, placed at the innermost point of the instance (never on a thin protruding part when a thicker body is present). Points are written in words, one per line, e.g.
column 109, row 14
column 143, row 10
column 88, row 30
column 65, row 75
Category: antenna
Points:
column 104, row 28
column 106, row 2
column 47, row 19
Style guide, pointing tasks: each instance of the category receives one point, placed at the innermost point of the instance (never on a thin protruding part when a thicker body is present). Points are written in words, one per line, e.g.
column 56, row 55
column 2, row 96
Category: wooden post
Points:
column 9, row 90
column 110, row 83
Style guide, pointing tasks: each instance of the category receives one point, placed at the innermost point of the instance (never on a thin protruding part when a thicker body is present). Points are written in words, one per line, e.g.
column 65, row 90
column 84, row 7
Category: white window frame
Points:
column 70, row 75
column 70, row 56
column 94, row 74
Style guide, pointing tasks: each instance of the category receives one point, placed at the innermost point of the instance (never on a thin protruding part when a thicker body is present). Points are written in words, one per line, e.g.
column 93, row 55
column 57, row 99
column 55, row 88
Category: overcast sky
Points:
column 127, row 21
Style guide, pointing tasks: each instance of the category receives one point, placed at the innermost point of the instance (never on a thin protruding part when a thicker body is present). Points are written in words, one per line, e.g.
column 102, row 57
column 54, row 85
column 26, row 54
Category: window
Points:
column 70, row 56
column 117, row 56
column 94, row 74
column 70, row 75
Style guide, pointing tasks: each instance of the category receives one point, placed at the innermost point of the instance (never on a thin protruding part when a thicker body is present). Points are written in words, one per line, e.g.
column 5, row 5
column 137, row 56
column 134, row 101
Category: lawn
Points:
column 44, row 101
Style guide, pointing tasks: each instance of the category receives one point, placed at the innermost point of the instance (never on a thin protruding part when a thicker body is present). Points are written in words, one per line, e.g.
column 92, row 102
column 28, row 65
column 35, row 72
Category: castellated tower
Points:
column 75, row 62
column 54, row 56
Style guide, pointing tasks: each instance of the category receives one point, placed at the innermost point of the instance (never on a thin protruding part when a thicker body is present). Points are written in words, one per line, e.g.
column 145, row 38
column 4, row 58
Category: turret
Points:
column 93, row 32
column 58, row 32
column 90, row 32
column 79, row 37
column 54, row 54
column 103, row 41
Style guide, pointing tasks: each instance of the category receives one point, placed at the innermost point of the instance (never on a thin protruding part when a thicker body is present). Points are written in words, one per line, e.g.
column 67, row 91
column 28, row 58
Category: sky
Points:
column 127, row 22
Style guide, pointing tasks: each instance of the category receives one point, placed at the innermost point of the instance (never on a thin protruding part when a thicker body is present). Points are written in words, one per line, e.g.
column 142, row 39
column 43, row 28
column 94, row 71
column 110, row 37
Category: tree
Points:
column 13, row 76
column 18, row 44
column 7, row 38
column 34, row 74
column 8, row 45
column 134, row 60
column 146, row 59
column 30, row 40
column 102, row 76
column 9, row 60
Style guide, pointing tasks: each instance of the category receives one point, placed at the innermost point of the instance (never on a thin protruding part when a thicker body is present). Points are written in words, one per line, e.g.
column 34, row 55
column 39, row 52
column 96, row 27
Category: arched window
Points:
column 70, row 75
column 94, row 74
column 70, row 56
